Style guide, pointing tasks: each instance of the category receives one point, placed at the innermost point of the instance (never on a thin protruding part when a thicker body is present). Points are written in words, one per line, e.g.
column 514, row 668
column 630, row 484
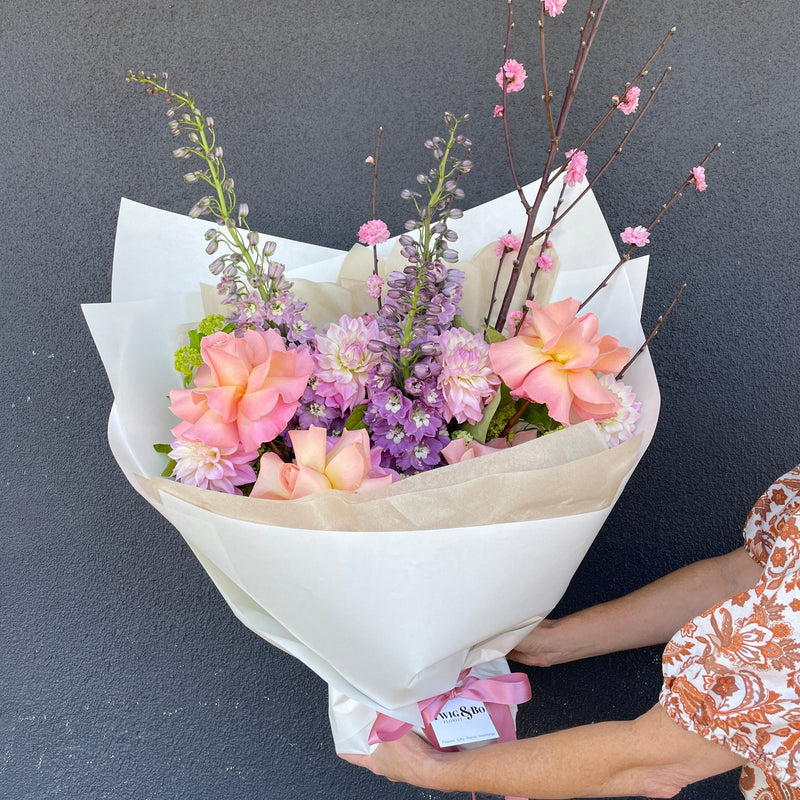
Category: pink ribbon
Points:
column 497, row 693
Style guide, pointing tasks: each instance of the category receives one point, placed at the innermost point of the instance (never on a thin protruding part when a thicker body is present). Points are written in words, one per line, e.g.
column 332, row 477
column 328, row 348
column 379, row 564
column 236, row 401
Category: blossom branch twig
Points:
column 659, row 322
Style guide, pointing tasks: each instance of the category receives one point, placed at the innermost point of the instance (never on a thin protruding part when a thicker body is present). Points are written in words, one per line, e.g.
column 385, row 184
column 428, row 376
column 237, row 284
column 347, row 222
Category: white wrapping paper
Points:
column 388, row 596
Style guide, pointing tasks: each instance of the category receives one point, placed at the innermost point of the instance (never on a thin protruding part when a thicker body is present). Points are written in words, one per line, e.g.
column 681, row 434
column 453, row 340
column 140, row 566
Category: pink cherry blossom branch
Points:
column 547, row 95
column 506, row 131
column 659, row 322
column 627, row 135
column 641, row 74
column 593, row 19
column 656, row 220
column 375, row 160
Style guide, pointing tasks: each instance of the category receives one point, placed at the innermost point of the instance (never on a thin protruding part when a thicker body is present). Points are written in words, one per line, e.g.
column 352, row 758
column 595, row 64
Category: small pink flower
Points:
column 499, row 111
column 700, row 178
column 576, row 167
column 554, row 7
column 245, row 392
column 507, row 243
column 512, row 321
column 373, row 232
column 322, row 463
column 513, row 75
column 555, row 359
column 631, row 101
column 369, row 160
column 374, row 283
column 638, row 236
column 461, row 450
column 544, row 262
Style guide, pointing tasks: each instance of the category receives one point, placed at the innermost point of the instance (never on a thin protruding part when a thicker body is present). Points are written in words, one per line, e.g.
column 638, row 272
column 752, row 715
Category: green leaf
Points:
column 194, row 339
column 356, row 420
column 163, row 448
column 479, row 429
column 167, row 471
column 493, row 335
column 536, row 414
column 460, row 322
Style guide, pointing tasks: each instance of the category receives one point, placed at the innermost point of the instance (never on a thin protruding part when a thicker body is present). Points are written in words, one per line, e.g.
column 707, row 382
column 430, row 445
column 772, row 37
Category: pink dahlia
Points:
column 699, row 174
column 631, row 101
column 220, row 469
column 513, row 75
column 576, row 167
column 344, row 363
column 245, row 392
column 638, row 236
column 555, row 359
column 622, row 425
column 554, row 7
column 466, row 381
column 373, row 232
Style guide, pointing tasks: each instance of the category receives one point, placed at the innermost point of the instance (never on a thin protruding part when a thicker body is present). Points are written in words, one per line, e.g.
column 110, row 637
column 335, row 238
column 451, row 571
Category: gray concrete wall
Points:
column 122, row 672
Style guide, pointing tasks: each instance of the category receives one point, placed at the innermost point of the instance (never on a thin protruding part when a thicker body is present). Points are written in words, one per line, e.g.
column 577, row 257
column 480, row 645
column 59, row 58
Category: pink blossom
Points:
column 554, row 7
column 344, row 363
column 369, row 160
column 576, row 167
column 513, row 75
column 245, row 392
column 555, row 359
column 638, row 236
column 507, row 243
column 700, row 178
column 631, row 101
column 499, row 111
column 221, row 469
column 466, row 381
column 460, row 449
column 373, row 232
column 374, row 283
column 544, row 262
column 322, row 463
column 512, row 320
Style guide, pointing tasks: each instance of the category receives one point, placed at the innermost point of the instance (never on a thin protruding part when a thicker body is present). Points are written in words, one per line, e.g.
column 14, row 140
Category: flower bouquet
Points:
column 391, row 460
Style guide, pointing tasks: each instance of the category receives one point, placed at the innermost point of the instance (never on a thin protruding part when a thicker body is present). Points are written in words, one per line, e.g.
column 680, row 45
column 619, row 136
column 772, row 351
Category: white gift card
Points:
column 462, row 721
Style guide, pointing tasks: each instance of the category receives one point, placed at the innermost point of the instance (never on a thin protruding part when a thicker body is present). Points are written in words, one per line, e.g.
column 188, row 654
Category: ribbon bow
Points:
column 497, row 693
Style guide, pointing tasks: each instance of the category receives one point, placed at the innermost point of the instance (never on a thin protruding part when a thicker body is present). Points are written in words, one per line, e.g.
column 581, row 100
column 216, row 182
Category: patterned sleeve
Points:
column 759, row 529
column 731, row 674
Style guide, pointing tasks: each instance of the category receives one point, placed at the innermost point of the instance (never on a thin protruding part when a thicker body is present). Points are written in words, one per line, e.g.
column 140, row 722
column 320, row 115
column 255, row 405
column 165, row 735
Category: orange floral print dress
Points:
column 732, row 674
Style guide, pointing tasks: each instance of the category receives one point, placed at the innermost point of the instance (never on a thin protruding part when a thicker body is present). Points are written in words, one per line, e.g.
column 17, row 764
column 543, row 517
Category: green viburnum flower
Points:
column 211, row 324
column 187, row 359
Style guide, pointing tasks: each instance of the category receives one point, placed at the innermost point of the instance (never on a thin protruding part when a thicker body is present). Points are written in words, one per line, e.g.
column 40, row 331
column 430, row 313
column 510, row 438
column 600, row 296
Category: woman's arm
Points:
column 650, row 615
column 651, row 756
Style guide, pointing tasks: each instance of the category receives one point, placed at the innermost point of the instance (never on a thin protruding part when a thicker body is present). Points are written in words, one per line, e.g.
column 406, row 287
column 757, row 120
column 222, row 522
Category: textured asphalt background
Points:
column 122, row 672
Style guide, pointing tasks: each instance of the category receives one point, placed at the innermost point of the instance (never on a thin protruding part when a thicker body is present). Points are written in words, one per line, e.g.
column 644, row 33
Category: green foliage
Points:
column 356, row 419
column 166, row 449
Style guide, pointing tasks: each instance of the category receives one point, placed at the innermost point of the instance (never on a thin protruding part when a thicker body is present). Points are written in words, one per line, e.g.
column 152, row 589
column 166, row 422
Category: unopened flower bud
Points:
column 269, row 249
column 252, row 238
column 376, row 346
column 244, row 210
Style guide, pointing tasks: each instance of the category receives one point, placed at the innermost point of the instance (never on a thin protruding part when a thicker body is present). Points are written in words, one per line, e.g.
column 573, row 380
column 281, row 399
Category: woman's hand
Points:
column 410, row 759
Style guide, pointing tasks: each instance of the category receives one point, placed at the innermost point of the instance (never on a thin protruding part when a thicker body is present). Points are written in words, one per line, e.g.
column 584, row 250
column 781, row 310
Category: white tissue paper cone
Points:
column 480, row 552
